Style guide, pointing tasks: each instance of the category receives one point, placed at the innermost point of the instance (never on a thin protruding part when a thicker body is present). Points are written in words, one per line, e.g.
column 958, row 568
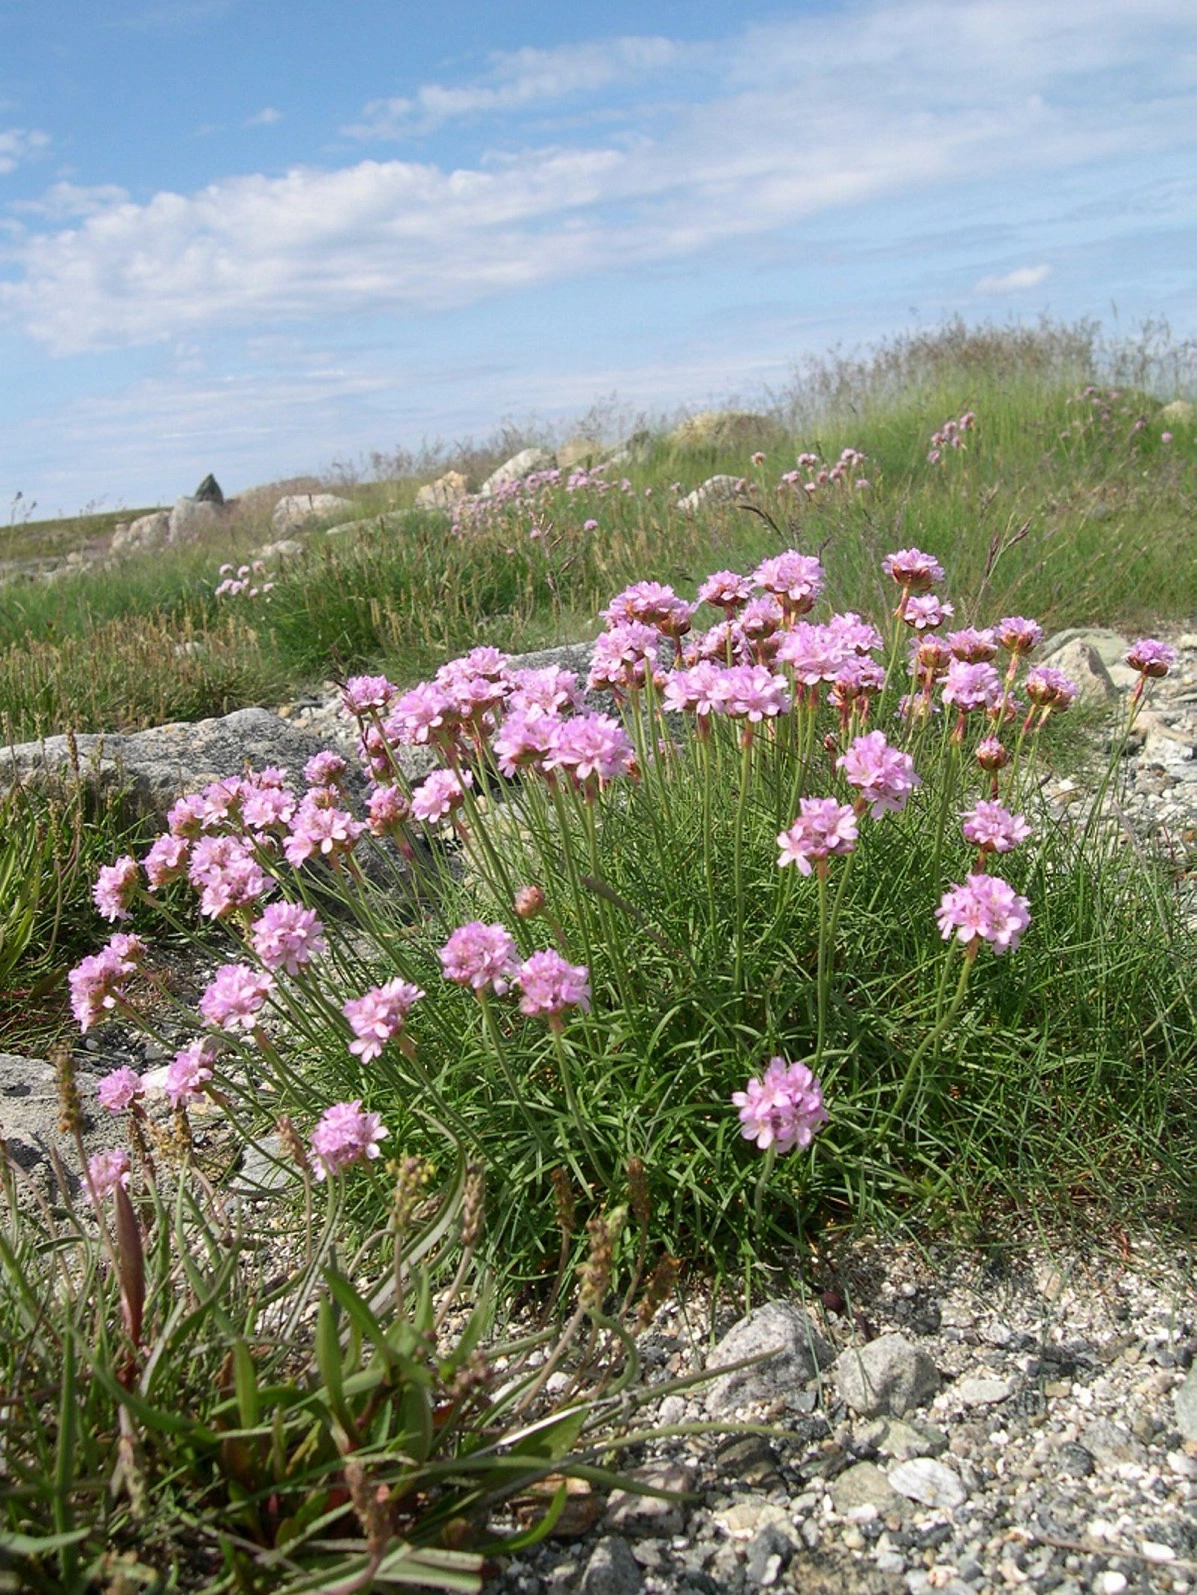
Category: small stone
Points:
column 1185, row 1401
column 769, row 1552
column 928, row 1481
column 1156, row 1551
column 1184, row 1466
column 863, row 1485
column 1111, row 1582
column 749, row 1458
column 982, row 1392
column 888, row 1374
column 1073, row 1459
column 611, row 1570
column 791, row 1352
column 1057, row 1389
column 652, row 1514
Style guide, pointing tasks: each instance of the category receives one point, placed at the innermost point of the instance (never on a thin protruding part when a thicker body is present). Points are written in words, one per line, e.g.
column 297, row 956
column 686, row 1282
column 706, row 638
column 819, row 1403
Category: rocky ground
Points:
column 1021, row 1418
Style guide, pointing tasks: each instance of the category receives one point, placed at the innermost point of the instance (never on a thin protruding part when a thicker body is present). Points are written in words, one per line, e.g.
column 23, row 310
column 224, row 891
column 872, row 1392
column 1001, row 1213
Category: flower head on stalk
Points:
column 1151, row 657
column 884, row 776
column 823, row 827
column 783, row 1108
column 120, row 1089
column 480, row 956
column 796, row 579
column 924, row 611
column 1018, row 635
column 1049, row 688
column 549, row 985
column 994, row 829
column 233, row 999
column 985, row 908
column 439, row 795
column 913, row 570
column 726, row 590
column 114, row 888
column 189, row 1072
column 288, row 936
column 346, row 1134
column 107, row 1170
column 378, row 1016
column 98, row 983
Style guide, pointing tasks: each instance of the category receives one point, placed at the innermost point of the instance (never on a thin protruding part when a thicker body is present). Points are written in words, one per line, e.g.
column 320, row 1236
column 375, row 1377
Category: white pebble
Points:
column 1154, row 1551
column 1110, row 1582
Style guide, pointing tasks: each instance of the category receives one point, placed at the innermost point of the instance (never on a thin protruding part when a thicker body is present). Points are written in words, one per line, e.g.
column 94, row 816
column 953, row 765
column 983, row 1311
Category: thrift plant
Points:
column 564, row 951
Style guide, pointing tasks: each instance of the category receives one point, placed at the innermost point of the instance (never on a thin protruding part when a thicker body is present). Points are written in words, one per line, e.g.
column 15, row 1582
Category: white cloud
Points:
column 266, row 117
column 18, row 145
column 1014, row 282
column 70, row 201
column 518, row 80
column 936, row 94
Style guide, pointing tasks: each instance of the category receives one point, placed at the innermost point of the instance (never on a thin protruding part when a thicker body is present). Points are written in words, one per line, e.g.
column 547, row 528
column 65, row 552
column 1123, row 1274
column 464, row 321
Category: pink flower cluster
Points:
column 823, row 827
column 378, row 1016
column 884, row 776
column 345, row 1134
column 483, row 957
column 783, row 1108
column 97, row 983
column 985, row 908
column 549, row 985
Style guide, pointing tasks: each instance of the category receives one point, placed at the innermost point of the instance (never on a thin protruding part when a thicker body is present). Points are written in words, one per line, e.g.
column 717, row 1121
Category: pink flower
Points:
column 1018, row 635
column 107, row 1170
column 271, row 808
column 795, row 578
column 365, row 695
column 525, row 739
column 439, row 794
column 389, row 809
column 288, row 936
column 884, row 776
column 973, row 646
column 855, row 683
column 814, row 653
column 925, row 612
column 992, row 754
column 480, row 956
column 984, row 908
column 694, row 691
column 752, row 692
column 593, row 748
column 317, row 829
column 1151, row 657
column 782, row 1109
column 189, row 1072
column 993, row 828
column 971, row 687
column 550, row 690
column 625, row 656
column 378, row 1016
column 856, row 633
column 912, row 569
column 114, row 888
column 120, row 1089
column 726, row 590
column 419, row 715
column 186, row 817
column 1050, row 688
column 823, row 827
column 346, row 1134
column 233, row 999
column 325, row 768
column 166, row 860
column 550, row 984
column 227, row 873
column 98, row 983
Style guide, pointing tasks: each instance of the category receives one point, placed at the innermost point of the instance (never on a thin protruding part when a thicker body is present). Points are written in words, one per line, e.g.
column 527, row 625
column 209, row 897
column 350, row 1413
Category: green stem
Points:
column 567, row 1080
column 943, row 1021
column 738, row 851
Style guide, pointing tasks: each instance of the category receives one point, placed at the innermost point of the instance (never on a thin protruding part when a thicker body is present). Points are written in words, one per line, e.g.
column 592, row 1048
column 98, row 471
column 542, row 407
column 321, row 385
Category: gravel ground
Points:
column 1022, row 1420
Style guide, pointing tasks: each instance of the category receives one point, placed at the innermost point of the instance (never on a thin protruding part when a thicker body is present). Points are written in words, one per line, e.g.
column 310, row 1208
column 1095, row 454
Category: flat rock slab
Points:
column 165, row 761
column 791, row 1352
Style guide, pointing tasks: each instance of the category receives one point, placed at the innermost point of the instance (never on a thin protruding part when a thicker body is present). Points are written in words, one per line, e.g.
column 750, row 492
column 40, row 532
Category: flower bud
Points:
column 529, row 901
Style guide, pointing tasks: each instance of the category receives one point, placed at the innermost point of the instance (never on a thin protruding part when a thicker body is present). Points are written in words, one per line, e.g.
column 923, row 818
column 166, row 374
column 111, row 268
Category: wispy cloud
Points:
column 20, row 144
column 1012, row 89
column 1014, row 282
column 266, row 117
column 519, row 80
column 64, row 202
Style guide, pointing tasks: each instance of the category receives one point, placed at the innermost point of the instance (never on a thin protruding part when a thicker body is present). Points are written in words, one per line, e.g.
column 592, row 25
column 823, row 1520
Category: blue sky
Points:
column 253, row 237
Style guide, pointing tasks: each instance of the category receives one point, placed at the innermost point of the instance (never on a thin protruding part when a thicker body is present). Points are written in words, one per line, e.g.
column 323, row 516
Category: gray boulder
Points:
column 888, row 1375
column 443, row 494
column 1095, row 658
column 715, row 490
column 147, row 531
column 161, row 763
column 30, row 1110
column 191, row 518
column 298, row 509
column 791, row 1351
column 519, row 466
